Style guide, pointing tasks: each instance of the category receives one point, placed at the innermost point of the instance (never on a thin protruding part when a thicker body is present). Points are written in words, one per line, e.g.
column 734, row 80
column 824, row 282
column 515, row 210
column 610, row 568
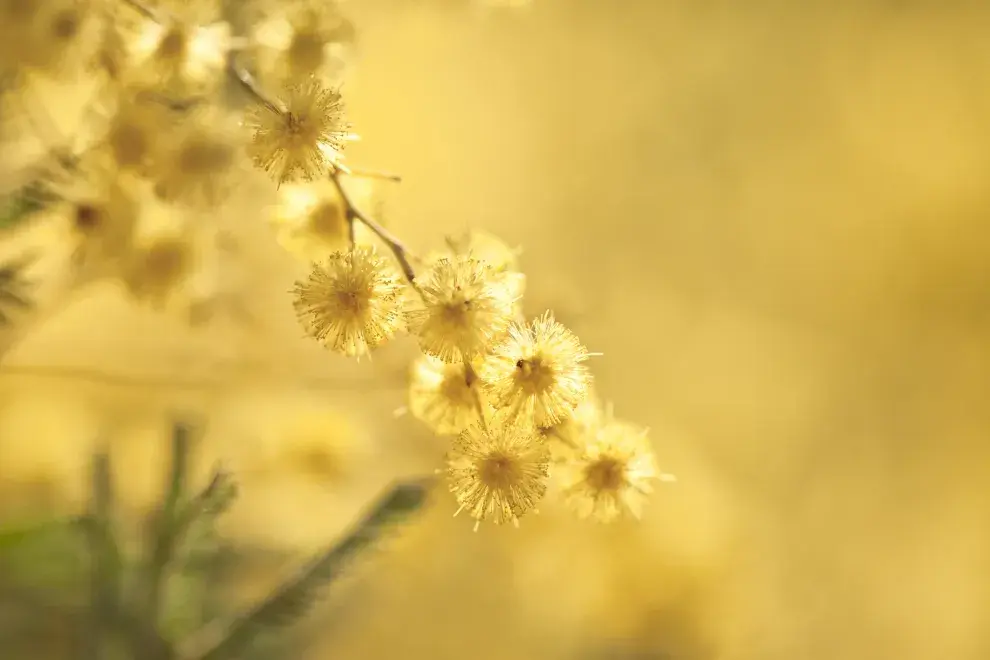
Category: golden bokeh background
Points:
column 774, row 221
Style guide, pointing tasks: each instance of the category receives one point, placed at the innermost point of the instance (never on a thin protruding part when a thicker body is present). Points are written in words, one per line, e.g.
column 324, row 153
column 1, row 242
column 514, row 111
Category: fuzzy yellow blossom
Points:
column 538, row 371
column 611, row 473
column 310, row 220
column 134, row 133
column 445, row 396
column 303, row 38
column 351, row 302
column 156, row 267
column 101, row 210
column 502, row 259
column 50, row 36
column 198, row 165
column 163, row 254
column 463, row 310
column 498, row 470
column 179, row 54
column 571, row 433
column 304, row 141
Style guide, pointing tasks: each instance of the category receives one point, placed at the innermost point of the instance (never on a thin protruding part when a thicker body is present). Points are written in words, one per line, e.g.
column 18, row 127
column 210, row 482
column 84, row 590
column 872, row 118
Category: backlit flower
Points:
column 351, row 302
column 498, row 470
column 464, row 309
column 444, row 396
column 538, row 371
column 304, row 141
column 611, row 473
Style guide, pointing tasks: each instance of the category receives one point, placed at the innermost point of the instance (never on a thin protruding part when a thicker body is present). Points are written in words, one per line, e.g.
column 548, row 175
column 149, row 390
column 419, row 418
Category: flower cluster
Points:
column 180, row 100
column 513, row 393
column 141, row 183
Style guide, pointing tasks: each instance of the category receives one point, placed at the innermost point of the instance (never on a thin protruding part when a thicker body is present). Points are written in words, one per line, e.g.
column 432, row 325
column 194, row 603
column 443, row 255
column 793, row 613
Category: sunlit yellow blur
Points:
column 772, row 218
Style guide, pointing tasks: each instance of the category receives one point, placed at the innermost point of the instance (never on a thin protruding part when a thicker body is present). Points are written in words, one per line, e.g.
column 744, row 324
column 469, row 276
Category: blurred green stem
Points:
column 166, row 531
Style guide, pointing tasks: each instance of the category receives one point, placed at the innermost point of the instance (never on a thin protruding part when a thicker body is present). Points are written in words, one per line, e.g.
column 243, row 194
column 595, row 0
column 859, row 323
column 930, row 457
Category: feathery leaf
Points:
column 292, row 599
column 165, row 530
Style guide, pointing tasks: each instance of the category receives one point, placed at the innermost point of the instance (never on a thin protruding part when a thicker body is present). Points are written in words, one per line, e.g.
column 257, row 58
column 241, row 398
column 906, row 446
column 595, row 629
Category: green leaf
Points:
column 21, row 204
column 106, row 570
column 166, row 531
column 13, row 287
column 289, row 602
column 44, row 554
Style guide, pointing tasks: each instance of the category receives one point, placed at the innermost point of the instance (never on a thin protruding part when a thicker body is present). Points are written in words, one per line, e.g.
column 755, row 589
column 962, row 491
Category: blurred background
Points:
column 774, row 221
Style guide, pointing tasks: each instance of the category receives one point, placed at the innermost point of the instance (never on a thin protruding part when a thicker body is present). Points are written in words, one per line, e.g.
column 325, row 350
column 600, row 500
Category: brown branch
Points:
column 402, row 255
column 145, row 10
column 394, row 244
column 373, row 174
column 250, row 85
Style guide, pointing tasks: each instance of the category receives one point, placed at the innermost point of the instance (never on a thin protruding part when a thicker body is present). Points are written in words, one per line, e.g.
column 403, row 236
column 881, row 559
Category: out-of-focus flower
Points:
column 305, row 141
column 611, row 473
column 185, row 52
column 101, row 210
column 164, row 252
column 498, row 469
column 351, row 302
column 445, row 396
column 538, row 371
column 482, row 246
column 464, row 308
column 502, row 259
column 302, row 38
column 53, row 36
column 134, row 133
column 199, row 164
column 310, row 220
column 569, row 434
column 294, row 452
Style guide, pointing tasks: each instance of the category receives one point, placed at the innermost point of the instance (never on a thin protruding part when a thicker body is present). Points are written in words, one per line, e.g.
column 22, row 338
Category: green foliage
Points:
column 13, row 288
column 162, row 604
column 43, row 554
column 291, row 601
column 20, row 205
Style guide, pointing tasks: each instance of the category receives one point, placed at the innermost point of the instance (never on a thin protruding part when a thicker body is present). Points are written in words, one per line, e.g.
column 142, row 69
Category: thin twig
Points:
column 374, row 174
column 394, row 244
column 290, row 601
column 469, row 378
column 250, row 85
column 145, row 10
column 105, row 571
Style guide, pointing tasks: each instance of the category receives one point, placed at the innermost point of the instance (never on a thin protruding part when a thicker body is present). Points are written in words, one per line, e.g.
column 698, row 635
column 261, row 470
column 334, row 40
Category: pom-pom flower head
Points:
column 498, row 470
column 611, row 473
column 502, row 259
column 444, row 396
column 538, row 371
column 464, row 308
column 352, row 302
column 304, row 141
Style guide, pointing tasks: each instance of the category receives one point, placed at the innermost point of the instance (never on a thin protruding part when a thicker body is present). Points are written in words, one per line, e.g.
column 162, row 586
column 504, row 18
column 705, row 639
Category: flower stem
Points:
column 394, row 244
